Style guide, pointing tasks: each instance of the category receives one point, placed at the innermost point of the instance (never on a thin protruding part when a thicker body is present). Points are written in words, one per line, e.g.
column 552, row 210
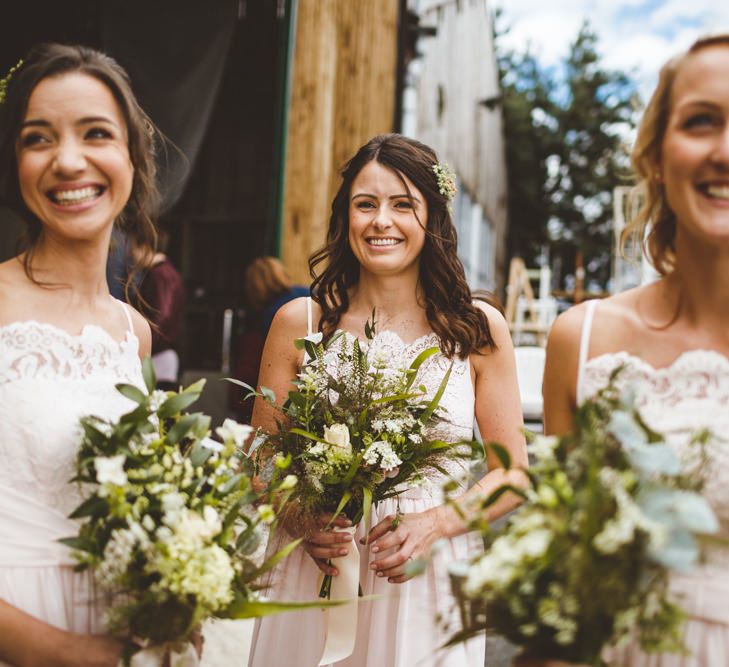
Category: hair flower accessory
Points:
column 6, row 80
column 446, row 181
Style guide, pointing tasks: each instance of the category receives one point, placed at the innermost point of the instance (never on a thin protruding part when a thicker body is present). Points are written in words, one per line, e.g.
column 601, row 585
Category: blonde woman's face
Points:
column 694, row 164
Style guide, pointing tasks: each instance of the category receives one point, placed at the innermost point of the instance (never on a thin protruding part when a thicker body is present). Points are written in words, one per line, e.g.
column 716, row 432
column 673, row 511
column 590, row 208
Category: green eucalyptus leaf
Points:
column 183, row 426
column 131, row 392
column 150, row 377
column 177, row 403
column 93, row 506
column 248, row 541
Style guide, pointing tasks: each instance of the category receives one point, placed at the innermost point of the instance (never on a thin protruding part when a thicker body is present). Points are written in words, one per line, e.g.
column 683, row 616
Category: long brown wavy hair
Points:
column 48, row 60
column 461, row 327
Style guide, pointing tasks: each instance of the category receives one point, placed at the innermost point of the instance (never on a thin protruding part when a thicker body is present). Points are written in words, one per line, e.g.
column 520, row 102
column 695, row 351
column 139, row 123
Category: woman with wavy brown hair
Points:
column 670, row 339
column 76, row 159
column 391, row 248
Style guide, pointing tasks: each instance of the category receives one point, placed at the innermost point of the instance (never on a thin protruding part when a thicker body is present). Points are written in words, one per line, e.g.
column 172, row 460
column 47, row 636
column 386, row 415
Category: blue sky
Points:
column 637, row 36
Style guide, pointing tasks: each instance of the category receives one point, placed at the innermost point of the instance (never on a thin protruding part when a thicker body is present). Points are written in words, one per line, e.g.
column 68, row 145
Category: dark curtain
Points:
column 175, row 52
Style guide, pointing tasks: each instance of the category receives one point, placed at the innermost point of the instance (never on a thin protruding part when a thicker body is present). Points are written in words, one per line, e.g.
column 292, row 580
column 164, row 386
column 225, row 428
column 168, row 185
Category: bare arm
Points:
column 499, row 417
column 500, row 420
column 560, row 373
column 280, row 364
column 26, row 641
column 143, row 333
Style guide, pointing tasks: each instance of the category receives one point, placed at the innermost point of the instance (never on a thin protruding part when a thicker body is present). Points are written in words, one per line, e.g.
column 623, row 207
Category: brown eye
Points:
column 32, row 139
column 700, row 120
column 97, row 133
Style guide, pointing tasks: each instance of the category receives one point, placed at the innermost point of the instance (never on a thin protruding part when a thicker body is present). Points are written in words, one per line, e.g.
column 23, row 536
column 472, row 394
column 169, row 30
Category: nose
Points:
column 69, row 158
column 382, row 220
column 720, row 154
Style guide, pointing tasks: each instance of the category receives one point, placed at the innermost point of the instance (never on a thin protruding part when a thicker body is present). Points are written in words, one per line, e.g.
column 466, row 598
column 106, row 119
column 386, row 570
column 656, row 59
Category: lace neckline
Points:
column 395, row 337
column 687, row 360
column 88, row 331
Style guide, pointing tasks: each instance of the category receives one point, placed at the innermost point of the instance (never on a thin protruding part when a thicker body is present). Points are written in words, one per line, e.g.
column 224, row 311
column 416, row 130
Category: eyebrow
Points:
column 367, row 194
column 86, row 120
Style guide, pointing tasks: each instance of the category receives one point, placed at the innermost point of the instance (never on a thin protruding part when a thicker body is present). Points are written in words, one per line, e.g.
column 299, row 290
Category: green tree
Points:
column 528, row 117
column 565, row 152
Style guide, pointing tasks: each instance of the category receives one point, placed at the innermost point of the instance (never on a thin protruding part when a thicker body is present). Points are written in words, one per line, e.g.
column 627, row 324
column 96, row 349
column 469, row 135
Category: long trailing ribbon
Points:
column 182, row 654
column 341, row 622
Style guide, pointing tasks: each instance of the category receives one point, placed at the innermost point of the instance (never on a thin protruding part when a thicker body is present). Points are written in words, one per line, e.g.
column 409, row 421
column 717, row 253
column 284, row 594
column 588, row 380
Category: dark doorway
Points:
column 228, row 210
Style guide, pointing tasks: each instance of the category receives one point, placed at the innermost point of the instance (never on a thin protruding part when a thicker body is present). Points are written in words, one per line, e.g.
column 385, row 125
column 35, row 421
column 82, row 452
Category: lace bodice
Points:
column 689, row 395
column 48, row 380
column 457, row 404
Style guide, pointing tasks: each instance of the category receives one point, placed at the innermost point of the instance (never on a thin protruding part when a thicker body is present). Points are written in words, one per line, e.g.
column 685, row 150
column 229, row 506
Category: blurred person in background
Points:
column 267, row 288
column 162, row 301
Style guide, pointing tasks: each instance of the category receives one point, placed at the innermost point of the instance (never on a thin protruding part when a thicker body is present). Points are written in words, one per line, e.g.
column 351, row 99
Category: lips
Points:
column 74, row 196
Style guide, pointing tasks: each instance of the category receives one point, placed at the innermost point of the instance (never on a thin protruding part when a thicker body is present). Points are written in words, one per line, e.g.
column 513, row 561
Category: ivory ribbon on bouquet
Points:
column 340, row 629
column 182, row 654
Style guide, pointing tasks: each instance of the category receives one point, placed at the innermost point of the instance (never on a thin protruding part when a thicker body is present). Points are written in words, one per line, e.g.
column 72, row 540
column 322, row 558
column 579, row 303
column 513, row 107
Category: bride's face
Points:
column 694, row 164
column 74, row 169
column 386, row 227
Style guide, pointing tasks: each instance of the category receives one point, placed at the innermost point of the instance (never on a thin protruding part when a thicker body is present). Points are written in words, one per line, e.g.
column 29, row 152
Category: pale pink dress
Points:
column 677, row 401
column 402, row 628
column 48, row 380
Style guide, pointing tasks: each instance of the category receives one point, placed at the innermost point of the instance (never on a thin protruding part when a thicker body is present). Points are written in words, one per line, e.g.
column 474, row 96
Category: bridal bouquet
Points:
column 171, row 520
column 354, row 431
column 585, row 562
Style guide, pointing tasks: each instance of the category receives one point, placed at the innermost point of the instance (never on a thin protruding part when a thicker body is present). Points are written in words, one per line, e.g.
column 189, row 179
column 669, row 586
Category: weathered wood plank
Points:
column 343, row 92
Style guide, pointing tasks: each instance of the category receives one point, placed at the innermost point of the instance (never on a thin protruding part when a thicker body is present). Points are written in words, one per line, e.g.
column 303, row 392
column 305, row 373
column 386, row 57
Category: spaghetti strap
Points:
column 590, row 307
column 309, row 317
column 125, row 308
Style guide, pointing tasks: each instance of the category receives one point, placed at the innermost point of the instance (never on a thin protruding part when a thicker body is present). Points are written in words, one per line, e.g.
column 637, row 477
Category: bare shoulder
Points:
column 142, row 331
column 497, row 324
column 14, row 285
column 292, row 317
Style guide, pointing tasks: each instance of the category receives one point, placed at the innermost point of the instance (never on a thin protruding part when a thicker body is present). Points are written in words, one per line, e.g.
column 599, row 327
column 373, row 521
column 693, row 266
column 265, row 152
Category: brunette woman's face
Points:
column 694, row 164
column 384, row 232
column 74, row 168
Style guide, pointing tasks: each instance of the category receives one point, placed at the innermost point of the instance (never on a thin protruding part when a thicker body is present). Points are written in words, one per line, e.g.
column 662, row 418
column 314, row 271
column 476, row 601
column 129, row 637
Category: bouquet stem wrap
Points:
column 341, row 623
column 181, row 654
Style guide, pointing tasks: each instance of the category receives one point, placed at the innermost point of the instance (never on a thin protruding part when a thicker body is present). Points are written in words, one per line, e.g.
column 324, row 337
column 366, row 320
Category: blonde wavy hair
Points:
column 654, row 223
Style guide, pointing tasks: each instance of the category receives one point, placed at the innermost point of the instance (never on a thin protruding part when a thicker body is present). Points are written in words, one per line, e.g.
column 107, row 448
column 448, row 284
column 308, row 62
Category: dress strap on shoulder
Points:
column 128, row 315
column 309, row 317
column 590, row 308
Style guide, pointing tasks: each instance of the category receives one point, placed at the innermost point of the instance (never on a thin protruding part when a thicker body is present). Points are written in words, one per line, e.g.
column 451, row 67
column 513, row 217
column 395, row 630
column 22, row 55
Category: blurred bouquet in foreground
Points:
column 584, row 563
column 171, row 520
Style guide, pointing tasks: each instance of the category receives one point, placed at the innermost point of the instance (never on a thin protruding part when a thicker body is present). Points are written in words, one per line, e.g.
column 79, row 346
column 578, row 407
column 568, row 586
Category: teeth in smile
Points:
column 718, row 191
column 75, row 196
column 383, row 241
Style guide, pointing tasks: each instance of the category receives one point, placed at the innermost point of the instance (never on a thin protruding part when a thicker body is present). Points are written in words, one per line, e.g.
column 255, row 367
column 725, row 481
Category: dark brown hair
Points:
column 49, row 60
column 461, row 327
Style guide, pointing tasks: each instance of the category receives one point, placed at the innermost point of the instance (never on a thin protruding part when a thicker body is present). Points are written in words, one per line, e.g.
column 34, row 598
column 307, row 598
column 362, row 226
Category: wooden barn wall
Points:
column 459, row 71
column 342, row 93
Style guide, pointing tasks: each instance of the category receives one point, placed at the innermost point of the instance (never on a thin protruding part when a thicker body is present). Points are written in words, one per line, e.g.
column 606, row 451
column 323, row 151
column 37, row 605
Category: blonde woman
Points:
column 672, row 336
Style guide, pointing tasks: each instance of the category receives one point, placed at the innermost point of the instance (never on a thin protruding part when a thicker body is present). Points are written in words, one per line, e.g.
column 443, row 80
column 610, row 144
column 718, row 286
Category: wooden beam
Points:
column 343, row 93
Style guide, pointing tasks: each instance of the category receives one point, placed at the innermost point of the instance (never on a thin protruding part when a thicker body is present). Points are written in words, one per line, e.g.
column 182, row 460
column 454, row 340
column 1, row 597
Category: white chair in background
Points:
column 530, row 371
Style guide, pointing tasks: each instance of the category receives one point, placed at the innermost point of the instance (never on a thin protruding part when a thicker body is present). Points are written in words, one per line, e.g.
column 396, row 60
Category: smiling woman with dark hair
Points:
column 391, row 248
column 75, row 159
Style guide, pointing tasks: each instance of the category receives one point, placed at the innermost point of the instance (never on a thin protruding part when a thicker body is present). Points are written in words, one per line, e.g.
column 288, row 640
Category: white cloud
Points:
column 637, row 36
